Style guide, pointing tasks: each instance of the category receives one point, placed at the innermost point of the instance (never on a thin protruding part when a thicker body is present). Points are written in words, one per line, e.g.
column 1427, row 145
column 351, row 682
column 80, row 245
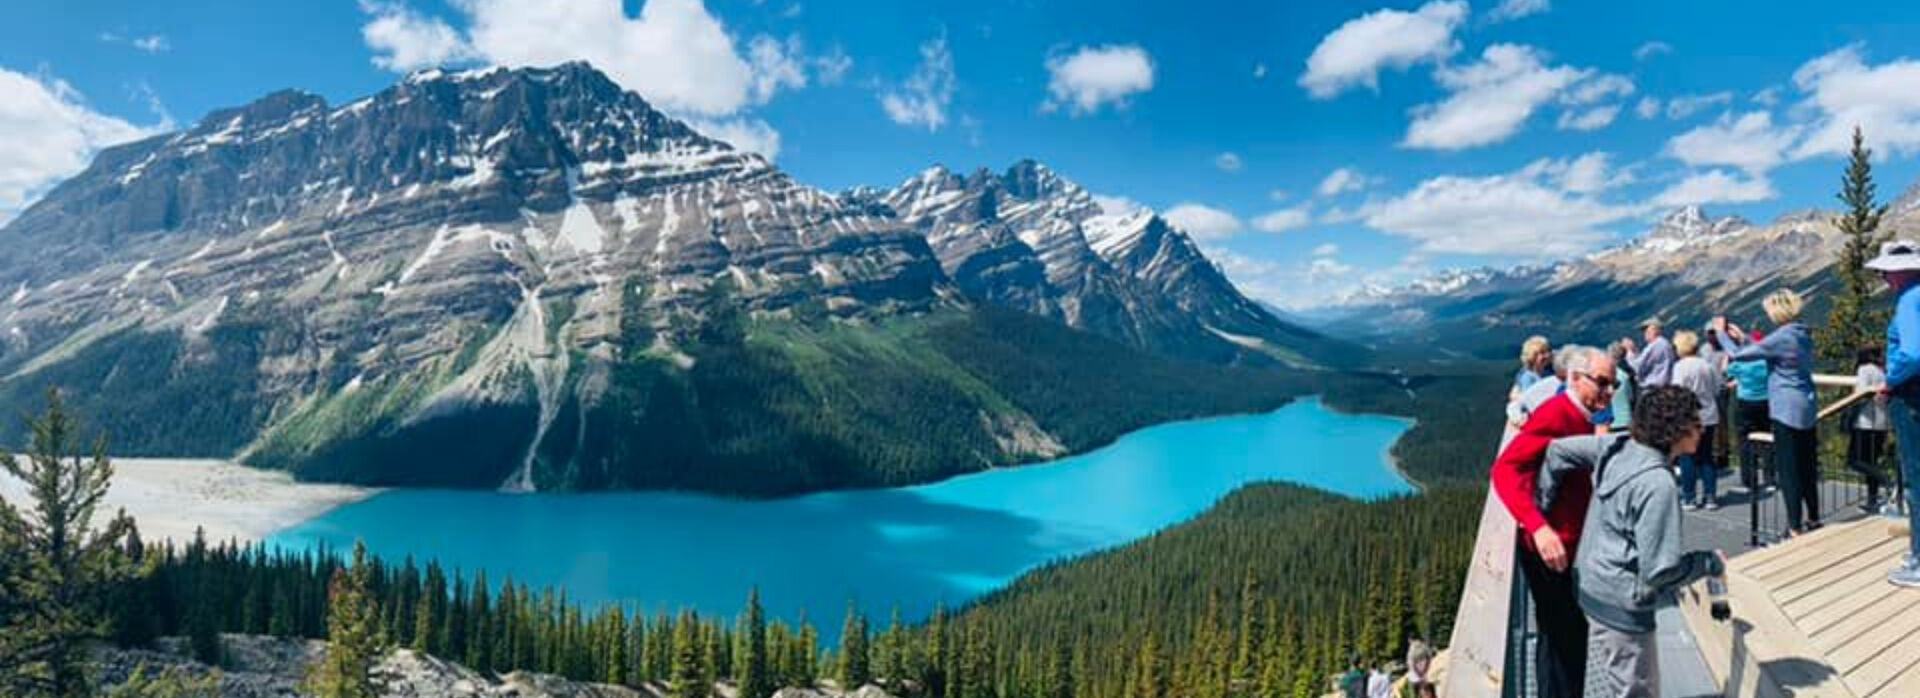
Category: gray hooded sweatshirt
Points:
column 1629, row 561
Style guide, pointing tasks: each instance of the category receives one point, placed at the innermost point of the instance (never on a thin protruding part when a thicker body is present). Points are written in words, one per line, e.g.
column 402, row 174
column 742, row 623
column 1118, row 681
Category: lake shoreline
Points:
column 171, row 498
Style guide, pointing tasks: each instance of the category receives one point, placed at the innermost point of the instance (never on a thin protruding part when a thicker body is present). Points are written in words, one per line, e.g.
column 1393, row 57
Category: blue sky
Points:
column 1492, row 132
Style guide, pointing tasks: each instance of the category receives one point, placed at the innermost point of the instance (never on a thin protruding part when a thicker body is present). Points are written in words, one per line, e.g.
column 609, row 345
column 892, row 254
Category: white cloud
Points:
column 1651, row 49
column 1600, row 88
column 1116, row 205
column 1715, row 186
column 751, row 135
column 675, row 53
column 1750, row 142
column 1491, row 99
column 1259, row 71
column 1767, row 97
column 152, row 44
column 776, row 65
column 1283, row 285
column 1355, row 53
column 1649, row 107
column 1687, row 105
column 1322, row 268
column 1228, row 162
column 1591, row 173
column 1277, row 194
column 924, row 98
column 1511, row 215
column 832, row 66
column 1096, row 76
column 1341, row 181
column 1282, row 220
column 1844, row 91
column 1326, row 250
column 48, row 133
column 1515, row 9
column 404, row 40
column 1588, row 120
column 1203, row 222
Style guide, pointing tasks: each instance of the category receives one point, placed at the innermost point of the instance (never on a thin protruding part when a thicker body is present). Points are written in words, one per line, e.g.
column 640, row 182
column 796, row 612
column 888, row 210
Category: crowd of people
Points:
column 1608, row 448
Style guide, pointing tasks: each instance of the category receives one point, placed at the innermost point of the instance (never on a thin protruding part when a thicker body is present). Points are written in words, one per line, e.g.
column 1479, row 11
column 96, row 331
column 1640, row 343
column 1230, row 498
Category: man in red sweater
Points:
column 1548, row 538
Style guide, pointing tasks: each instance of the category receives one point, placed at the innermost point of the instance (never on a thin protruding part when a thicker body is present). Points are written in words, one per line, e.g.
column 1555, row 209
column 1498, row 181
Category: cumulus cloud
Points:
column 1770, row 96
column 1491, row 99
column 751, row 135
column 1322, row 268
column 1591, row 173
column 674, row 53
column 1277, row 194
column 1203, row 222
column 1228, row 162
column 1750, row 142
column 1354, row 54
column 1598, row 89
column 1116, row 205
column 1649, row 107
column 1715, row 186
column 1283, row 220
column 1326, row 250
column 49, row 133
column 832, row 66
column 1651, row 49
column 1844, row 91
column 1512, row 215
column 1341, row 181
column 1259, row 71
column 1592, row 119
column 923, row 99
column 152, row 44
column 1095, row 76
column 1515, row 9
column 1687, row 105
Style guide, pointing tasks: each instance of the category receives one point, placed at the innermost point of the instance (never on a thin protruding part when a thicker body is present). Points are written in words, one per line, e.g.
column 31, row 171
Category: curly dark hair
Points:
column 1663, row 415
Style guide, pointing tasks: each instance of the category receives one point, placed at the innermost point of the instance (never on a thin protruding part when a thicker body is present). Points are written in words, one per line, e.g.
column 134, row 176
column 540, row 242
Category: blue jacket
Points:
column 1788, row 351
column 1752, row 379
column 1903, row 359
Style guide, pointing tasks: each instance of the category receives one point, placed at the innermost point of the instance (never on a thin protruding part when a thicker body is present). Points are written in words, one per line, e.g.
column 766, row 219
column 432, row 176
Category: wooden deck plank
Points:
column 1804, row 595
column 1859, row 592
column 1855, row 651
column 1864, row 620
column 1905, row 684
column 1756, row 562
column 1893, row 662
column 1759, row 652
column 1817, row 553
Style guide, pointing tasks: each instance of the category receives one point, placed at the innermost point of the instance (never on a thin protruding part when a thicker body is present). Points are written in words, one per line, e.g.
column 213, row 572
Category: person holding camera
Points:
column 1629, row 561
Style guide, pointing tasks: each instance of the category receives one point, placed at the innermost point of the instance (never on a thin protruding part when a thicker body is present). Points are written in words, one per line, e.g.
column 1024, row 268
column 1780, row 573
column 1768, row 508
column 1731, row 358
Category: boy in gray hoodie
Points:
column 1629, row 561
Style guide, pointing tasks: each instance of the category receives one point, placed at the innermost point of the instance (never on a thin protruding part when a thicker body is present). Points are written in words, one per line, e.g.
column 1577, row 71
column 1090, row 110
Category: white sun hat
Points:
column 1896, row 255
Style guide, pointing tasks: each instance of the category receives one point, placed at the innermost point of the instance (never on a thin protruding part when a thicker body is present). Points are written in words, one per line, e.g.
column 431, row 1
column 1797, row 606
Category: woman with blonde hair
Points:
column 1701, row 377
column 1788, row 351
column 1536, row 362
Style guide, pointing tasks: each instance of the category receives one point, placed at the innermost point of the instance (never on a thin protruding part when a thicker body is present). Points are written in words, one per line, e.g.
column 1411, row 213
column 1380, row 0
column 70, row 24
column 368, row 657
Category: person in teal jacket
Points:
column 1748, row 379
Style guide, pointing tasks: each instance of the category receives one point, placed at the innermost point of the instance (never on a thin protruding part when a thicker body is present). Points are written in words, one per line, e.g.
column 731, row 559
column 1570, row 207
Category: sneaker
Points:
column 1713, row 505
column 1908, row 576
column 1892, row 511
column 1691, row 506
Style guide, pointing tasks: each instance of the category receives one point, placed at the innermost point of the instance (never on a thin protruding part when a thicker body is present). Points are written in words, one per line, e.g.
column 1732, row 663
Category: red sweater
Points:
column 1515, row 470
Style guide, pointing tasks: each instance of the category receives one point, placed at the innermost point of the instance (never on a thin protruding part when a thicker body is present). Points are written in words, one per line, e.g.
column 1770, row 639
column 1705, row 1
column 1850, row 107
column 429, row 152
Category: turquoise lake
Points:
column 907, row 547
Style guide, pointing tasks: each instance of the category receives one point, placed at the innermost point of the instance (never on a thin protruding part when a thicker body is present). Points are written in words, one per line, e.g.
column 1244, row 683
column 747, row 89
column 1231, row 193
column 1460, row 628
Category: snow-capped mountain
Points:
column 1030, row 239
column 501, row 277
column 1687, row 266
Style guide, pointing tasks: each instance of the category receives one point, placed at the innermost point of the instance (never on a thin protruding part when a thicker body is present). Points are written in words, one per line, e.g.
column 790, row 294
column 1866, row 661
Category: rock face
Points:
column 500, row 278
column 1687, row 267
column 1029, row 239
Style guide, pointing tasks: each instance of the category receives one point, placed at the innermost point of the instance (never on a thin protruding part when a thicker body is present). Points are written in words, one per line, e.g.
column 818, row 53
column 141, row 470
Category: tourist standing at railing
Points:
column 1788, row 351
column 1867, row 430
column 1536, row 362
column 1630, row 562
column 1699, row 473
column 1548, row 538
column 1749, row 386
column 1899, row 264
column 1653, row 363
column 1625, row 387
column 1542, row 390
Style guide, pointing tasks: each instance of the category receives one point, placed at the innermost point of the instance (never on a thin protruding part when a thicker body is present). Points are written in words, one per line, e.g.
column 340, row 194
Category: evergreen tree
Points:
column 756, row 681
column 806, row 656
column 57, row 571
column 428, row 630
column 1853, row 320
column 853, row 672
column 354, row 634
column 687, row 651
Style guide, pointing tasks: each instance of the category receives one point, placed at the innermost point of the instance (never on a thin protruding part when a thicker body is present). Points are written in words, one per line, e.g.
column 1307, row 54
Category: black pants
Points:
column 1799, row 475
column 1866, row 451
column 1751, row 417
column 1560, row 669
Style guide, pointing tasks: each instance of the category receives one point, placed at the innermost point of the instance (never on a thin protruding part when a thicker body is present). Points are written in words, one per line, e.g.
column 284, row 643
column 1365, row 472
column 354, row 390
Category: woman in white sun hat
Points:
column 1899, row 265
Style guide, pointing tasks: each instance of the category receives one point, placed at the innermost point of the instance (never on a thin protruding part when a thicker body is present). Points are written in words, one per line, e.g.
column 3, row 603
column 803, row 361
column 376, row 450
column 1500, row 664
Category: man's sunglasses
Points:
column 1603, row 382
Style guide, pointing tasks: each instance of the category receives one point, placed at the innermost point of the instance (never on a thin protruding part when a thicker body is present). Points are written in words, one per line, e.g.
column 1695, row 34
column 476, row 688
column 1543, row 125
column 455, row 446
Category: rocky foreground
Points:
column 270, row 667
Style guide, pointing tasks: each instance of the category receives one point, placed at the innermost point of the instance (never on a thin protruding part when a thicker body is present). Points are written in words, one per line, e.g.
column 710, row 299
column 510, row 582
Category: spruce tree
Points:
column 806, row 656
column 355, row 642
column 853, row 672
column 1853, row 320
column 756, row 681
column 428, row 610
column 687, row 653
column 57, row 571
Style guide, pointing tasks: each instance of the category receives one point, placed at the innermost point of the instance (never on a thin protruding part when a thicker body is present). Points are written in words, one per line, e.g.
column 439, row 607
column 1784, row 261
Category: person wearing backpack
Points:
column 1629, row 561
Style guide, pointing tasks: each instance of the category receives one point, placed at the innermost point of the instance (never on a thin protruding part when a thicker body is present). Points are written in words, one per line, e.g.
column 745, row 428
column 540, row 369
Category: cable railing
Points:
column 1839, row 491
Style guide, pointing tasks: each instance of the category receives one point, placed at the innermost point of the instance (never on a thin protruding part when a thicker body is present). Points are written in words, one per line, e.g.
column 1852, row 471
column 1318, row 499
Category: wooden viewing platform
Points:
column 1815, row 616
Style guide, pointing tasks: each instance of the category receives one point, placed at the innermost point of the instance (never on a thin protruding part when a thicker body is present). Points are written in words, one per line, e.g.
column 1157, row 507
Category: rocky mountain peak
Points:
column 1689, row 226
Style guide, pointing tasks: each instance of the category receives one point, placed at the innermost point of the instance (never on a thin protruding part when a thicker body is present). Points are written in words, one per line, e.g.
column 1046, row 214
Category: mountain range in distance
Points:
column 531, row 279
